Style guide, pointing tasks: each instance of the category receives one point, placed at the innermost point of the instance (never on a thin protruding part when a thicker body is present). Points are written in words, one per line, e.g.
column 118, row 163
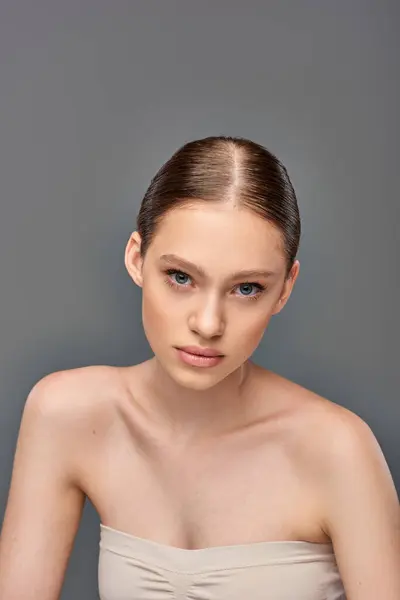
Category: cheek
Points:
column 153, row 311
column 158, row 312
column 253, row 329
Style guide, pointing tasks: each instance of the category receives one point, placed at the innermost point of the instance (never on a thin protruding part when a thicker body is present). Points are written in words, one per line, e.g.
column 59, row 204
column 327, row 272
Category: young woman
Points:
column 213, row 478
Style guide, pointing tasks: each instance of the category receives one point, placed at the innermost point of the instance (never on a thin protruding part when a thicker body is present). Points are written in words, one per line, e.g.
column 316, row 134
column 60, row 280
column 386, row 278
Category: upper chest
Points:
column 250, row 484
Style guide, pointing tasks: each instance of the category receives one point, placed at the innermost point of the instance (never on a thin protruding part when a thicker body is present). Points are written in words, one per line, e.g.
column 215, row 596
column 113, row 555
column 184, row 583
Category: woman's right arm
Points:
column 45, row 502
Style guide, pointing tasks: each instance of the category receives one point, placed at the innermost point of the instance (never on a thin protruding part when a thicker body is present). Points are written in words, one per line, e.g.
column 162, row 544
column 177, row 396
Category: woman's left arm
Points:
column 361, row 510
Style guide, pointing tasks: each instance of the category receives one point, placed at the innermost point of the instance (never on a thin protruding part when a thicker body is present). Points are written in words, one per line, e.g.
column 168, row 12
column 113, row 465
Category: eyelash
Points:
column 261, row 288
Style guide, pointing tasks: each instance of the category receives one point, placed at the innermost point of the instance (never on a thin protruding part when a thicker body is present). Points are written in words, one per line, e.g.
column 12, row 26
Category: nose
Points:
column 207, row 320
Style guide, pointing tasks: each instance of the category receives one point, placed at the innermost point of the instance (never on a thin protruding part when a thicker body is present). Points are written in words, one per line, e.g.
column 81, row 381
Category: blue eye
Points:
column 178, row 277
column 181, row 278
column 245, row 288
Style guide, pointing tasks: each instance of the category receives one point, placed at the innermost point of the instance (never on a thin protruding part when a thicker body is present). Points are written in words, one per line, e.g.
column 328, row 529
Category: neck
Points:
column 192, row 413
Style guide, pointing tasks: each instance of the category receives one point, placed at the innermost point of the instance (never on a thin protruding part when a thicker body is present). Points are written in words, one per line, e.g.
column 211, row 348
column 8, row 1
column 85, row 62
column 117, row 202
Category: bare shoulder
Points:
column 332, row 441
column 332, row 430
column 322, row 432
column 313, row 414
column 357, row 501
column 74, row 404
column 74, row 393
column 46, row 498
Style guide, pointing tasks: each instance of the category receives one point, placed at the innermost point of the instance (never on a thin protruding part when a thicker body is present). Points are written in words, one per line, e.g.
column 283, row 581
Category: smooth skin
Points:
column 194, row 457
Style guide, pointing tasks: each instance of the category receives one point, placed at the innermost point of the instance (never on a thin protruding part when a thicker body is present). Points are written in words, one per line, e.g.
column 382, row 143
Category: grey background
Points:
column 95, row 96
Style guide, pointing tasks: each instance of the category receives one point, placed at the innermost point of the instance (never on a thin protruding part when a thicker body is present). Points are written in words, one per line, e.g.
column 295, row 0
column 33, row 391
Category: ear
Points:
column 287, row 288
column 133, row 258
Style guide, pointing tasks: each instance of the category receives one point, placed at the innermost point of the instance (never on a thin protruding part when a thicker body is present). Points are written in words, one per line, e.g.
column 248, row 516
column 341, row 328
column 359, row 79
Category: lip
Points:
column 199, row 360
column 199, row 351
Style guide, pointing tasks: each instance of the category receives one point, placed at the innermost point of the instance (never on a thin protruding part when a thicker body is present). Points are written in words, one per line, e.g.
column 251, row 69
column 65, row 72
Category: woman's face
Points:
column 195, row 295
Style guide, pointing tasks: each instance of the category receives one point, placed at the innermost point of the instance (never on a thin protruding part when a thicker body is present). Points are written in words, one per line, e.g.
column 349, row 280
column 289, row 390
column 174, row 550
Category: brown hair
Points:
column 224, row 169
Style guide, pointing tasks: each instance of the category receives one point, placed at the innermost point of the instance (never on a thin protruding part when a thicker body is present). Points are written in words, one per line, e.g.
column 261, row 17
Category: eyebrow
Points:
column 185, row 264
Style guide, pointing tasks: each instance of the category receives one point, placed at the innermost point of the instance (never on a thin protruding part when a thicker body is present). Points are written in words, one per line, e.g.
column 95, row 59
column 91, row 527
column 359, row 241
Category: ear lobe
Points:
column 133, row 258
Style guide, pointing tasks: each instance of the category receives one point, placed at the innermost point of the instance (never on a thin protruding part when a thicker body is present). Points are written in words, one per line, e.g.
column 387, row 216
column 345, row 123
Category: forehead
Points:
column 215, row 233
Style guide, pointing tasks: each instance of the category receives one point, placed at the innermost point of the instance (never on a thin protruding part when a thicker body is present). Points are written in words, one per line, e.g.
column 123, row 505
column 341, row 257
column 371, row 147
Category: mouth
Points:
column 198, row 351
column 199, row 357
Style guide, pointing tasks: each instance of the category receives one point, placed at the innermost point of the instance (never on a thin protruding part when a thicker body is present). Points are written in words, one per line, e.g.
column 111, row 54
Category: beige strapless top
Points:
column 133, row 568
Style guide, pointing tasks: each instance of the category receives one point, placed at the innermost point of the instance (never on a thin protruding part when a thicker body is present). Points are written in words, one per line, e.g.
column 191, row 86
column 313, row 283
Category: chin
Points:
column 197, row 379
column 201, row 379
